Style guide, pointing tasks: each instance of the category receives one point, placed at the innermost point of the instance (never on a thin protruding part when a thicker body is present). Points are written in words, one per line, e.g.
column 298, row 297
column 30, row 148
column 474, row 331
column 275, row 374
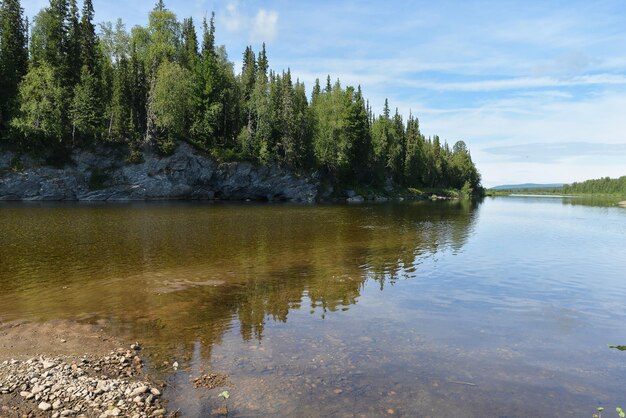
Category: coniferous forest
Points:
column 66, row 83
column 605, row 185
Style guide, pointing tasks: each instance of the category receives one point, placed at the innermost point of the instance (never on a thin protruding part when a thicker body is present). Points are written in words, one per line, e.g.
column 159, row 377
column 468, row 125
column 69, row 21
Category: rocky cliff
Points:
column 186, row 174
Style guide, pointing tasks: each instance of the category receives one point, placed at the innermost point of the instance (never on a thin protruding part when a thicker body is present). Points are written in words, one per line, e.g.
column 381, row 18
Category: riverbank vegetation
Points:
column 605, row 186
column 66, row 84
column 602, row 186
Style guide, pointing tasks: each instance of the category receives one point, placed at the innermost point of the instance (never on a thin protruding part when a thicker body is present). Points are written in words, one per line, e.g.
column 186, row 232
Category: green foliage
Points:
column 171, row 105
column 164, row 30
column 135, row 156
column 16, row 164
column 88, row 38
column 158, row 85
column 13, row 58
column 86, row 112
column 40, row 114
column 467, row 190
column 604, row 185
column 189, row 52
column 618, row 347
column 340, row 130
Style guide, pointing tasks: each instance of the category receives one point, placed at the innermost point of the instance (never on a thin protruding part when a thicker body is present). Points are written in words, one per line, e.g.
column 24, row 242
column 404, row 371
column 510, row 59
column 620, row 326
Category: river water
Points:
column 504, row 307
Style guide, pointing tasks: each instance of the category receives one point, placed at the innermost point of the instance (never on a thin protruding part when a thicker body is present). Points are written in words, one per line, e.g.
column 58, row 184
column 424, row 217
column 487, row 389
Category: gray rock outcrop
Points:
column 186, row 174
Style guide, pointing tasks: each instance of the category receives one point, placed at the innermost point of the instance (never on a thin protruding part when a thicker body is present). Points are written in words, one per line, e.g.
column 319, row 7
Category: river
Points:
column 504, row 307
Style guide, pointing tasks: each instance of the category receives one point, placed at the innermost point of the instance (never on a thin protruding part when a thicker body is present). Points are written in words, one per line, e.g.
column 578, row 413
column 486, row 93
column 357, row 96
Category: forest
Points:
column 604, row 186
column 67, row 84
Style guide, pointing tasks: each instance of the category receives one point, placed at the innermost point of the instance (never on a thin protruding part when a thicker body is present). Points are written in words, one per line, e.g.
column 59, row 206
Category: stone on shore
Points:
column 66, row 386
column 45, row 406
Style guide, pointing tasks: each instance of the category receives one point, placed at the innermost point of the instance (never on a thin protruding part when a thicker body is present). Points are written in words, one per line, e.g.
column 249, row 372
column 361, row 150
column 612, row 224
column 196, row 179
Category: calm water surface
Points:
column 499, row 308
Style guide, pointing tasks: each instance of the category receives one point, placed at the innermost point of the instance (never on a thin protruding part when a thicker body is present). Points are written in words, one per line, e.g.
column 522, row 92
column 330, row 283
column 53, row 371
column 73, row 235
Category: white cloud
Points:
column 519, row 83
column 265, row 27
column 262, row 27
column 232, row 19
column 596, row 120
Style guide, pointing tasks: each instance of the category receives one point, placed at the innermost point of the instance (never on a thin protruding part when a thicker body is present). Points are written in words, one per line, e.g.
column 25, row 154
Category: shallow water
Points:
column 499, row 308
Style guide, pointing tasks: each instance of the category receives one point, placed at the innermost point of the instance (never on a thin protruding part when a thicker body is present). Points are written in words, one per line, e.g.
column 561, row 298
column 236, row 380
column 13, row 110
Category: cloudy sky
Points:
column 537, row 89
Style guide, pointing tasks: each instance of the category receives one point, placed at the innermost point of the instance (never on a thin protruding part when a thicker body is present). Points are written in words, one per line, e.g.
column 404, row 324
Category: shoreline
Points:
column 42, row 373
column 188, row 174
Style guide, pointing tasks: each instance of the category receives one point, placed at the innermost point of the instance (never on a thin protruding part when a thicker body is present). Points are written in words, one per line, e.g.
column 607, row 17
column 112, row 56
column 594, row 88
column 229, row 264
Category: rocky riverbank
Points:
column 108, row 386
column 104, row 175
column 65, row 368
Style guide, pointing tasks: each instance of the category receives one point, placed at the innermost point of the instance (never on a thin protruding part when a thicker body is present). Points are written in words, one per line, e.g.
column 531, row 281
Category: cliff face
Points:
column 186, row 174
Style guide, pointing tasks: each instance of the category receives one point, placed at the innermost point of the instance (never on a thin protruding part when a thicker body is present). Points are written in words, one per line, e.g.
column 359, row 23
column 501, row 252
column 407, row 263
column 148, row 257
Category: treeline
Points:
column 64, row 86
column 603, row 185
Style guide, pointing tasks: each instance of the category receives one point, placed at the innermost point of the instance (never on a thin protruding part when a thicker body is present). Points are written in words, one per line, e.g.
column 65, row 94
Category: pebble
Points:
column 139, row 391
column 47, row 364
column 27, row 395
column 61, row 388
column 45, row 406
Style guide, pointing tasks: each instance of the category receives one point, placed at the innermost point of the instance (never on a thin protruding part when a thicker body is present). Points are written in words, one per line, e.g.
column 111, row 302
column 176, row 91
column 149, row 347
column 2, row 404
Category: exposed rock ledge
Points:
column 186, row 174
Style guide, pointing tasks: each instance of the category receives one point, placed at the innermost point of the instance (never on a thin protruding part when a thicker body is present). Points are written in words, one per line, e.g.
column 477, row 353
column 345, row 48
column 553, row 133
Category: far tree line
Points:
column 603, row 185
column 65, row 85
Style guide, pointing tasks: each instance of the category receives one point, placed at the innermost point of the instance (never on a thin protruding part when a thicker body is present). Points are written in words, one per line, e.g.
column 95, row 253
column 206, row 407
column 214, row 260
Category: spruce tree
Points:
column 88, row 38
column 189, row 51
column 262, row 63
column 138, row 92
column 248, row 73
column 207, row 109
column 328, row 87
column 302, row 127
column 86, row 111
column 73, row 44
column 121, row 102
column 13, row 58
column 359, row 131
column 316, row 90
column 287, row 148
column 57, row 39
column 208, row 38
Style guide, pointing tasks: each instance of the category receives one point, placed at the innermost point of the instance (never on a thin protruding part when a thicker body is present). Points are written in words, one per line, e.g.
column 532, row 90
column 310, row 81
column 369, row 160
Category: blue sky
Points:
column 537, row 89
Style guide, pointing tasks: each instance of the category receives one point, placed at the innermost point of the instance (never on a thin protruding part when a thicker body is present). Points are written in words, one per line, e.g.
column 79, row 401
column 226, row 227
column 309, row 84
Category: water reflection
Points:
column 171, row 272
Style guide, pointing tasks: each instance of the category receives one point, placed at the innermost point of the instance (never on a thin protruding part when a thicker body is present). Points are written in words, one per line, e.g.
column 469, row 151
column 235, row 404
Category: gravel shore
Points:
column 71, row 386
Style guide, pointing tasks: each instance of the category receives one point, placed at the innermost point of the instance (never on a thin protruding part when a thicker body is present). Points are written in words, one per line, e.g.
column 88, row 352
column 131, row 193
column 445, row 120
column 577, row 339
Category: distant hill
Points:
column 528, row 186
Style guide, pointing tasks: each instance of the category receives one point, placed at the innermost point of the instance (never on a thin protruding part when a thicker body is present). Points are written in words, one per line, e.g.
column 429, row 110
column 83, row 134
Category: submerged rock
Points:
column 186, row 174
